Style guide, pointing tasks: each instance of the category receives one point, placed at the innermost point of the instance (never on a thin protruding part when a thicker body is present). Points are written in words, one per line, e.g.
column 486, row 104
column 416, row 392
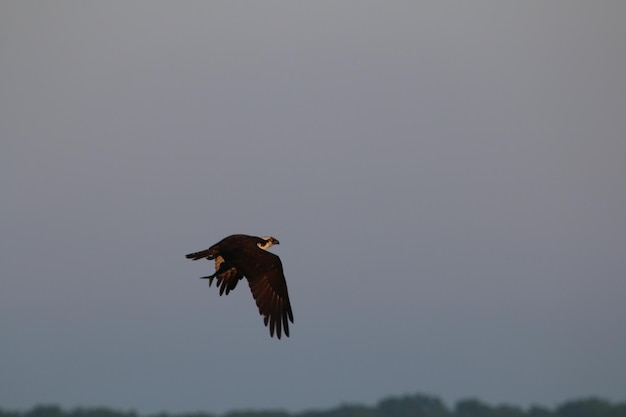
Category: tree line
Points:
column 418, row 405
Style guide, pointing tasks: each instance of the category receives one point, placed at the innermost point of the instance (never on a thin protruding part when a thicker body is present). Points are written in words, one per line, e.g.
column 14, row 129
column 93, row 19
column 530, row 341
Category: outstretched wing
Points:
column 269, row 289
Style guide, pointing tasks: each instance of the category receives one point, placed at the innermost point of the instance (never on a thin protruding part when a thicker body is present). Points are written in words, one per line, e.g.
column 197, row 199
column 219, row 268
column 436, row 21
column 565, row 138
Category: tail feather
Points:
column 207, row 253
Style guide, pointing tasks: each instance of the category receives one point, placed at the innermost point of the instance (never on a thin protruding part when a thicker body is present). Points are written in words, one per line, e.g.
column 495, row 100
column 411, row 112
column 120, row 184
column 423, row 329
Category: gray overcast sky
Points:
column 447, row 180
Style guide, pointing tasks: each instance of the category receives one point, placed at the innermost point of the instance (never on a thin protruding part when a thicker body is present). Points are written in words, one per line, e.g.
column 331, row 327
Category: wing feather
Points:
column 269, row 289
column 227, row 281
column 226, row 276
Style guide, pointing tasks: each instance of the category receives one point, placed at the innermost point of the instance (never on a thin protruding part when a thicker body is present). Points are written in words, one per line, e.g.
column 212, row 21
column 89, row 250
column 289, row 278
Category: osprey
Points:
column 239, row 256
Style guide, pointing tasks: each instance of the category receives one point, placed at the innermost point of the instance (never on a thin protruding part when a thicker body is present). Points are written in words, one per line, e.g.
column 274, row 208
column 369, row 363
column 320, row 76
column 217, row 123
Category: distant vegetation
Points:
column 418, row 405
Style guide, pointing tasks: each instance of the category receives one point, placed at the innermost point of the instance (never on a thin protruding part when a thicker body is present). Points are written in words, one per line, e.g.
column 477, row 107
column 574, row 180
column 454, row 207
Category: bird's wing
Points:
column 226, row 276
column 269, row 289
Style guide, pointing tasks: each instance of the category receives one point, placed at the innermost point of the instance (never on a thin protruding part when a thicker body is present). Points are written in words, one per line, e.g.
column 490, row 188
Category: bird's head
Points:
column 269, row 241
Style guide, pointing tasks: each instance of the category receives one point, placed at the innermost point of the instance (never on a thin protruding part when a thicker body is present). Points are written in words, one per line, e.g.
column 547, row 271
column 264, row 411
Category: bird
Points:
column 238, row 256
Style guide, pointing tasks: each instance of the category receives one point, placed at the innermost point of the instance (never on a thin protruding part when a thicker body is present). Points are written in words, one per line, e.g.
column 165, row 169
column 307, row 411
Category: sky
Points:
column 447, row 181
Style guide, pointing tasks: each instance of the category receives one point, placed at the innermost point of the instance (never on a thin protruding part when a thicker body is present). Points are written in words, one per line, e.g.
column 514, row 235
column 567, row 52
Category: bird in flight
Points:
column 239, row 256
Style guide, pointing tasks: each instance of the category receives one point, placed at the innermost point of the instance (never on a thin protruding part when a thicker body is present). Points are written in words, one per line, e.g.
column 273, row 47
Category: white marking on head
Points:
column 269, row 241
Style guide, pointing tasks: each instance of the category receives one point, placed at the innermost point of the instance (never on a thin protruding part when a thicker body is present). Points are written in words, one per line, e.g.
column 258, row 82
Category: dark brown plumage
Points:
column 239, row 256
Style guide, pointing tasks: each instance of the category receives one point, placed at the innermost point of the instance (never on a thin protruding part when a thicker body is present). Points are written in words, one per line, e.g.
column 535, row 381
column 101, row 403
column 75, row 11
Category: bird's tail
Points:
column 207, row 253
